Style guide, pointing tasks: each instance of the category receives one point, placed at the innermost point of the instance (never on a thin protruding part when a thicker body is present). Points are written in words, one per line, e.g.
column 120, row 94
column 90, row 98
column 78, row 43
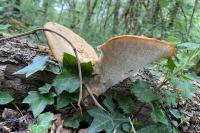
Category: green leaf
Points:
column 71, row 123
column 43, row 123
column 108, row 102
column 164, row 3
column 175, row 113
column 192, row 76
column 70, row 63
column 38, row 102
column 171, row 98
column 54, row 69
column 104, row 121
column 186, row 88
column 190, row 46
column 74, row 121
column 38, row 64
column 65, row 99
column 4, row 27
column 45, row 88
column 171, row 65
column 155, row 129
column 173, row 40
column 126, row 104
column 5, row 98
column 66, row 81
column 142, row 91
column 126, row 127
column 158, row 115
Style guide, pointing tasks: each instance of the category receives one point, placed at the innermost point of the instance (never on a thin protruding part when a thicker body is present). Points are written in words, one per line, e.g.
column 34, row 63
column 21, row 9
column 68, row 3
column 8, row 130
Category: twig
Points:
column 74, row 49
column 18, row 109
column 94, row 99
column 132, row 127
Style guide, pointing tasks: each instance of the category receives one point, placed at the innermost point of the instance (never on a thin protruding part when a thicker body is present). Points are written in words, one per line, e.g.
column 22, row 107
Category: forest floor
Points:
column 15, row 117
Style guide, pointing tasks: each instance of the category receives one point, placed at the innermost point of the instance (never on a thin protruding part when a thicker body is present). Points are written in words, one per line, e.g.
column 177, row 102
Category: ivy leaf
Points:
column 66, row 81
column 38, row 102
column 45, row 88
column 70, row 122
column 142, row 91
column 38, row 64
column 126, row 104
column 74, row 121
column 108, row 102
column 43, row 123
column 186, row 88
column 5, row 98
column 70, row 63
column 104, row 121
column 65, row 99
column 54, row 69
column 158, row 115
column 155, row 129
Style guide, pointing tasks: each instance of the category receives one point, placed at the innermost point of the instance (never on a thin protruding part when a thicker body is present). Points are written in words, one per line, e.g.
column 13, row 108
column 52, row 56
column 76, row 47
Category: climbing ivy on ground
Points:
column 118, row 116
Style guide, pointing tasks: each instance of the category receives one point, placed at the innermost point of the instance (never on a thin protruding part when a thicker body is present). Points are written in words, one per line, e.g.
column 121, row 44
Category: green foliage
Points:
column 171, row 65
column 155, row 129
column 45, row 88
column 110, row 105
column 4, row 27
column 71, row 122
column 126, row 104
column 186, row 88
column 38, row 101
column 175, row 113
column 104, row 121
column 158, row 115
column 70, row 63
column 43, row 123
column 38, row 64
column 170, row 98
column 66, row 81
column 171, row 21
column 143, row 92
column 65, row 99
column 5, row 98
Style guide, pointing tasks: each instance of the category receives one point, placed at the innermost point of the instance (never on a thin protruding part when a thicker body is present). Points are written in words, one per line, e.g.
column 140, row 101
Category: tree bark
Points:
column 14, row 55
column 116, row 17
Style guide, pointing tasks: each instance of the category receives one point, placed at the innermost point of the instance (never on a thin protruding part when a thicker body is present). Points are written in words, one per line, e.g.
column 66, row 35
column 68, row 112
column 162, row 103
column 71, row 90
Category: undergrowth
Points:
column 171, row 83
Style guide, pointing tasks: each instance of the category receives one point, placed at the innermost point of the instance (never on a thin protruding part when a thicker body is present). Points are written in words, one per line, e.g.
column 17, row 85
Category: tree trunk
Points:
column 90, row 10
column 116, row 17
column 14, row 55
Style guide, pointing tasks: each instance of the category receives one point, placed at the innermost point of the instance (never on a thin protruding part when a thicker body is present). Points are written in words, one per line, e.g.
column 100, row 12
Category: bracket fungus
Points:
column 120, row 57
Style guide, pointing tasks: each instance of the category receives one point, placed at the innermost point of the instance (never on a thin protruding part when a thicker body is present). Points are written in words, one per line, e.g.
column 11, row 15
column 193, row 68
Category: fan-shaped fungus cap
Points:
column 58, row 45
column 123, row 56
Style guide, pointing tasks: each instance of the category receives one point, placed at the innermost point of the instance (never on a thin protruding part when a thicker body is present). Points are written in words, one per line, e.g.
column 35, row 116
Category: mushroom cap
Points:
column 58, row 45
column 123, row 56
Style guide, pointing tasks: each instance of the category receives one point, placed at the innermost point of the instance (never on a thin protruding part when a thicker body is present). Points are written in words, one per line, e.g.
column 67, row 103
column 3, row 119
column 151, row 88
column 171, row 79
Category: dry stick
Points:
column 78, row 61
column 94, row 99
